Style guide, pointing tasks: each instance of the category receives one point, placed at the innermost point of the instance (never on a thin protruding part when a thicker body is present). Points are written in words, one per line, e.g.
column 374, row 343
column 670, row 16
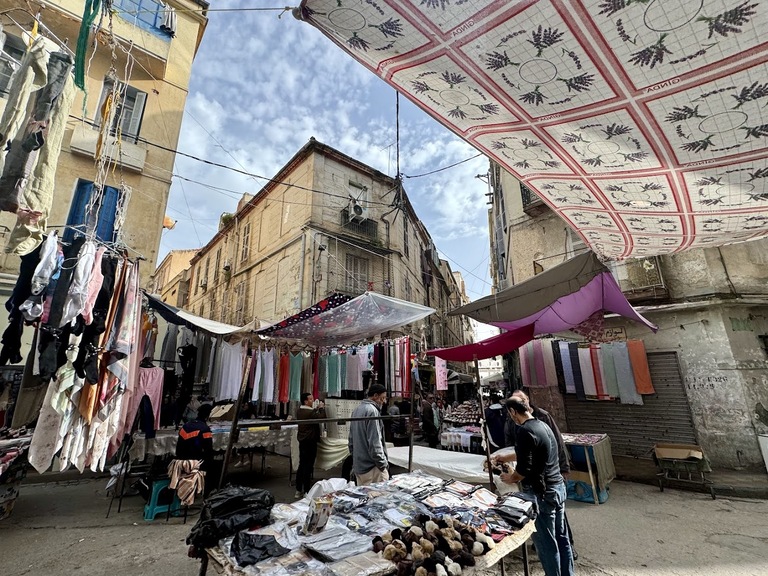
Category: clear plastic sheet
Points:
column 367, row 564
column 337, row 543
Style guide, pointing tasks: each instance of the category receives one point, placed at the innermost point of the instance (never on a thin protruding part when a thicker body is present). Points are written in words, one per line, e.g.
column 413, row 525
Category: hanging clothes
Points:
column 77, row 294
column 284, row 378
column 333, row 375
column 257, row 368
column 306, row 372
column 230, row 370
column 594, row 353
column 342, row 385
column 354, row 371
column 150, row 384
column 168, row 352
column 548, row 356
column 32, row 307
column 556, row 353
column 316, row 374
column 94, row 285
column 609, row 370
column 296, row 362
column 268, row 382
column 587, row 373
column 573, row 351
column 625, row 376
column 640, row 368
column 11, row 351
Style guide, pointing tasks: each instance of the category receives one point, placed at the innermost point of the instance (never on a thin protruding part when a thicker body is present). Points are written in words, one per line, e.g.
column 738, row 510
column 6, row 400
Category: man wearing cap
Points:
column 366, row 439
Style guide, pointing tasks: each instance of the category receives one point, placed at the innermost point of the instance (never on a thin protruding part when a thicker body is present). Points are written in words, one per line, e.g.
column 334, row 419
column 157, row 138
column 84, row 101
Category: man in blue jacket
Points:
column 366, row 439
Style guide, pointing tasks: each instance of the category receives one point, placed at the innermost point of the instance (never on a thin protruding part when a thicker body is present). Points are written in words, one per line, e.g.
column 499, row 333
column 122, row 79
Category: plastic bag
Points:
column 249, row 549
column 324, row 487
column 229, row 510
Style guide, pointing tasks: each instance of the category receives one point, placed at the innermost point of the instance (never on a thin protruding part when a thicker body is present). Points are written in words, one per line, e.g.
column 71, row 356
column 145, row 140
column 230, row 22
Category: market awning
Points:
column 181, row 317
column 642, row 124
column 488, row 348
column 459, row 378
column 561, row 298
column 340, row 319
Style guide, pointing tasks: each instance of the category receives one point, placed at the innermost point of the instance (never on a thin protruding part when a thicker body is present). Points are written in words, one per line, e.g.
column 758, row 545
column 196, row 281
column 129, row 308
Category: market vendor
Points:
column 308, row 437
column 196, row 439
column 538, row 472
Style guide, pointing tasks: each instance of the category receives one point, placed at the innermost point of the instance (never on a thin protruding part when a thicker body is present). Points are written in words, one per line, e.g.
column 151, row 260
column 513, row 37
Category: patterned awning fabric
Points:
column 643, row 123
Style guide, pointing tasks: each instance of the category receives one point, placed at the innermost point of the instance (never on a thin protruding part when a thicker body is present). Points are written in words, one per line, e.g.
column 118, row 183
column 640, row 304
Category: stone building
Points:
column 325, row 223
column 709, row 359
column 172, row 277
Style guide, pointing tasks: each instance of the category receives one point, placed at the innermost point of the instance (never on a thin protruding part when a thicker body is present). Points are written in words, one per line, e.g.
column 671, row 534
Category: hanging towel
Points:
column 168, row 19
column 555, row 345
column 573, row 350
column 333, row 375
column 316, row 374
column 624, row 375
column 550, row 370
column 342, row 372
column 610, row 382
column 640, row 368
column 565, row 356
column 297, row 367
column 322, row 372
column 525, row 368
column 594, row 352
column 587, row 373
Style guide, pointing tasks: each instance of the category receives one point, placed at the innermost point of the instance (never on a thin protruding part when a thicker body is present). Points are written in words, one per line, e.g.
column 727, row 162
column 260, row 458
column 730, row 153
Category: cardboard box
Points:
column 678, row 452
column 223, row 412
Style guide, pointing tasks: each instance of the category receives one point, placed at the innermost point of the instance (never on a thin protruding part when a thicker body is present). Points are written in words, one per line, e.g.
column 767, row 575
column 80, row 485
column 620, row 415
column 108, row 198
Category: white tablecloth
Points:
column 165, row 441
column 444, row 464
column 330, row 452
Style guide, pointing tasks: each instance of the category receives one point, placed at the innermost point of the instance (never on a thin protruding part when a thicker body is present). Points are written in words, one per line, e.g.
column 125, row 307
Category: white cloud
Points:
column 262, row 86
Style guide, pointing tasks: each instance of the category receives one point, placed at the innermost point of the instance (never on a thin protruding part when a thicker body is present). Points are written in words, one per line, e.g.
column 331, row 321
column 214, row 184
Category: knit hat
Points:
column 376, row 389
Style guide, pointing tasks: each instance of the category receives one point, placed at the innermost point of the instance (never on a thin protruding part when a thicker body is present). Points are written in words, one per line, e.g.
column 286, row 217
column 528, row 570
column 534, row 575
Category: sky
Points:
column 262, row 86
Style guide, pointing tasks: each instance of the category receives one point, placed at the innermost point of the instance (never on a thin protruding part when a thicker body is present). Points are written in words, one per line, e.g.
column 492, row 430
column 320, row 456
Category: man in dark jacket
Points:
column 308, row 437
column 538, row 473
column 195, row 440
column 428, row 426
column 562, row 453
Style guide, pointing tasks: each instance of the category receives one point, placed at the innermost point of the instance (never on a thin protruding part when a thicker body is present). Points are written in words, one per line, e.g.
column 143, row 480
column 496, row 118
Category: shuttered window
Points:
column 129, row 112
column 102, row 214
column 357, row 274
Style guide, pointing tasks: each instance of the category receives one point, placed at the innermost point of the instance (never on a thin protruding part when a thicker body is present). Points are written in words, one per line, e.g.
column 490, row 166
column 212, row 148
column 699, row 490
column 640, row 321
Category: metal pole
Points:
column 233, row 431
column 410, row 440
column 484, row 428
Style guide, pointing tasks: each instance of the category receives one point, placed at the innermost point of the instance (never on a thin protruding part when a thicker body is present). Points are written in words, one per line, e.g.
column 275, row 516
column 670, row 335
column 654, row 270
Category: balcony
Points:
column 532, row 204
column 640, row 279
column 368, row 228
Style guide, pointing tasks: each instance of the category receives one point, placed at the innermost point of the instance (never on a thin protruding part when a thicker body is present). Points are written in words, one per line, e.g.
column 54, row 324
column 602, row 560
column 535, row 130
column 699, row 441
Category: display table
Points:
column 259, row 435
column 594, row 452
column 359, row 514
column 442, row 463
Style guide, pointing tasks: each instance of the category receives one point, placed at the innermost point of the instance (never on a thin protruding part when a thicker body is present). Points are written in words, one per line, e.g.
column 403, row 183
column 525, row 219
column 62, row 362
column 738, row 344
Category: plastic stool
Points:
column 152, row 508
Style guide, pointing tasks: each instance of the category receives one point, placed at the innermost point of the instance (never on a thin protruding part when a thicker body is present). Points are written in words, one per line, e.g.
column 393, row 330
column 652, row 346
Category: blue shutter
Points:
column 105, row 229
column 76, row 216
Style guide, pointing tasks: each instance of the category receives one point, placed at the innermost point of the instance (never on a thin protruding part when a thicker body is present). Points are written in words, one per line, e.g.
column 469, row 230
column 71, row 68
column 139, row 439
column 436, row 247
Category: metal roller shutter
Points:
column 665, row 417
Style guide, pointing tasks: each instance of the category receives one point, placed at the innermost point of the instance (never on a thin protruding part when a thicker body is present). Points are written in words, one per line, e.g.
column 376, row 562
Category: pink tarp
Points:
column 643, row 124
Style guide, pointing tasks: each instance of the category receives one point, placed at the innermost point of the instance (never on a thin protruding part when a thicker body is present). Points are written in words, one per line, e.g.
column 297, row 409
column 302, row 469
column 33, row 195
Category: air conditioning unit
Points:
column 357, row 212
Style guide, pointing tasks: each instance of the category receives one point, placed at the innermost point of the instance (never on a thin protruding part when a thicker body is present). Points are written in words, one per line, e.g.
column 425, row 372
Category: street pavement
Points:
column 61, row 529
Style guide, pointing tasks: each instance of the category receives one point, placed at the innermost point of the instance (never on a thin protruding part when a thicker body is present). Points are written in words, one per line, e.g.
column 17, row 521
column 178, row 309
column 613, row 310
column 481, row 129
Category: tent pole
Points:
column 233, row 431
column 484, row 428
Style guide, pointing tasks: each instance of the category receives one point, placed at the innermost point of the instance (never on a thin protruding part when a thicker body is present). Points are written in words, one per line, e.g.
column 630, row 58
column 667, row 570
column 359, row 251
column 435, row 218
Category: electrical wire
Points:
column 444, row 167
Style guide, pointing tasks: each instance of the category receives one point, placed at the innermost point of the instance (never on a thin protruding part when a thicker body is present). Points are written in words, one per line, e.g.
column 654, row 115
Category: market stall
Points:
column 442, row 463
column 372, row 530
column 592, row 468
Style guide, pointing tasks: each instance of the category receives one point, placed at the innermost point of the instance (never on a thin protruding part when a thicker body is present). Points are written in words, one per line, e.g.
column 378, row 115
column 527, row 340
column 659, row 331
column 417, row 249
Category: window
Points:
column 10, row 58
column 357, row 274
column 129, row 112
column 217, row 266
column 408, row 290
column 246, row 245
column 406, row 247
column 204, row 279
column 240, row 304
column 146, row 14
column 102, row 216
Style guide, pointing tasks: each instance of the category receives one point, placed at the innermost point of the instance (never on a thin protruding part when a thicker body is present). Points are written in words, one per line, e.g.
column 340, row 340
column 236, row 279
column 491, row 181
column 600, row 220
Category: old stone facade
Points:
column 325, row 223
column 711, row 306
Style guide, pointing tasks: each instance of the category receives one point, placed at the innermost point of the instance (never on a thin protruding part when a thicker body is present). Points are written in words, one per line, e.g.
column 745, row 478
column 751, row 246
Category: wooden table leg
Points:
column 595, row 494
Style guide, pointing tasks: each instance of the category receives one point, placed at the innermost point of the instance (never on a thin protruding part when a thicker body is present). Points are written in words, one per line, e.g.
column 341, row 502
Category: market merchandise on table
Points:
column 465, row 413
column 409, row 525
column 13, row 468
